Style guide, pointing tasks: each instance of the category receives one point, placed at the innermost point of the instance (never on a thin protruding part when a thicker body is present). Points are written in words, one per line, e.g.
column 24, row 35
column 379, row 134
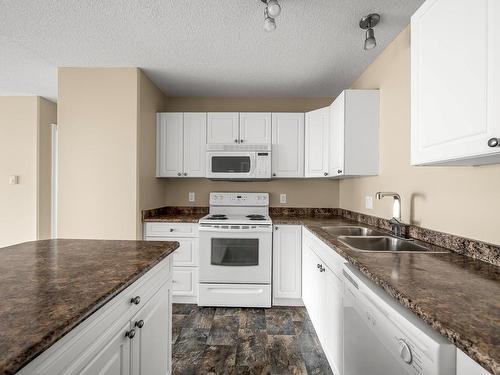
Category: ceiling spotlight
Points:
column 273, row 8
column 269, row 22
column 368, row 23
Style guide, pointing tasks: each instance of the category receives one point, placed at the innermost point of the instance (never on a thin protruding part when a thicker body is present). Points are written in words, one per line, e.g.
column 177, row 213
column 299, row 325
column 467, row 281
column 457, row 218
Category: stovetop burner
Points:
column 217, row 217
column 256, row 216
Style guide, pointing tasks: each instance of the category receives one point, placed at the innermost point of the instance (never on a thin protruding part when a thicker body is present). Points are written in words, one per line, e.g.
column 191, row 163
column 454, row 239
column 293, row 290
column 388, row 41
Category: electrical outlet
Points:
column 191, row 196
column 282, row 198
column 13, row 180
column 369, row 202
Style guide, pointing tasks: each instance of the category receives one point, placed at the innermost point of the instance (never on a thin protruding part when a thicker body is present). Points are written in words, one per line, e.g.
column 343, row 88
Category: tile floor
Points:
column 280, row 340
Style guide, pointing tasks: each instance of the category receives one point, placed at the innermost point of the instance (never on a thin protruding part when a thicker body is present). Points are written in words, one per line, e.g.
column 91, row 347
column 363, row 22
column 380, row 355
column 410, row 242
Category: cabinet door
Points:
column 151, row 349
column 169, row 143
column 333, row 324
column 455, row 90
column 288, row 144
column 255, row 128
column 316, row 142
column 195, row 139
column 337, row 114
column 113, row 359
column 184, row 283
column 222, row 128
column 287, row 254
column 312, row 286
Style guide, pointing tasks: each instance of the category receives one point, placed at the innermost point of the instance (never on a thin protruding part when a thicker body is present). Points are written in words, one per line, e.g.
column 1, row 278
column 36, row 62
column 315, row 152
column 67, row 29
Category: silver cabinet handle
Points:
column 321, row 268
column 185, row 174
column 493, row 142
column 130, row 334
column 318, row 265
column 276, row 228
column 339, row 171
column 136, row 300
column 235, row 141
column 171, row 230
column 326, row 173
column 178, row 173
column 139, row 324
column 274, row 174
column 241, row 140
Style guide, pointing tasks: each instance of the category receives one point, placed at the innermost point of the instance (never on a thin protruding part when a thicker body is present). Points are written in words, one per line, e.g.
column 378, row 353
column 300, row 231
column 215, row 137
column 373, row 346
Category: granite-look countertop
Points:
column 457, row 295
column 176, row 218
column 48, row 287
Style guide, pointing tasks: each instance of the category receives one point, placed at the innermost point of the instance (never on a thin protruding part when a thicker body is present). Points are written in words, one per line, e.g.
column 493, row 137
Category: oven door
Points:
column 238, row 256
column 231, row 165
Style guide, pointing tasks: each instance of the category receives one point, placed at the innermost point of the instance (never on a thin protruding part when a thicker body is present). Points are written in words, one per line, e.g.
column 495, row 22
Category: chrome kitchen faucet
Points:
column 396, row 211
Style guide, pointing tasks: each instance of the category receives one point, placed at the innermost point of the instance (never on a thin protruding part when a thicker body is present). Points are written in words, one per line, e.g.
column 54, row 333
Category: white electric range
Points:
column 236, row 251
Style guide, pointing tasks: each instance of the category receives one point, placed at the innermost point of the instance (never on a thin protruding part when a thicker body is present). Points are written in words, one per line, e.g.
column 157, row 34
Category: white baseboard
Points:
column 185, row 299
column 288, row 302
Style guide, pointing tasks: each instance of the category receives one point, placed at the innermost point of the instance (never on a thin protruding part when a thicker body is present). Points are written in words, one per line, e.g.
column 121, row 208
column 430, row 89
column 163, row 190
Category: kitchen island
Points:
column 64, row 301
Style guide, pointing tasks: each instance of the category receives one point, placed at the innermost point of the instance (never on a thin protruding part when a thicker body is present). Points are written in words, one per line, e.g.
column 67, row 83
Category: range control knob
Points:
column 405, row 351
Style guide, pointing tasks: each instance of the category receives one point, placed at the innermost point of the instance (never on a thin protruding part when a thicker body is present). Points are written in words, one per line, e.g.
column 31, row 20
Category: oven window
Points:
column 235, row 252
column 230, row 164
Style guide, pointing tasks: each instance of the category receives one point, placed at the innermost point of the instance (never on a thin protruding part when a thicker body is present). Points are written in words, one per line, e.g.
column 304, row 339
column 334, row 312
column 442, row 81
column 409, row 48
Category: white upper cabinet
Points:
column 354, row 144
column 195, row 135
column 223, row 128
column 288, row 145
column 180, row 144
column 317, row 136
column 255, row 128
column 455, row 81
column 169, row 144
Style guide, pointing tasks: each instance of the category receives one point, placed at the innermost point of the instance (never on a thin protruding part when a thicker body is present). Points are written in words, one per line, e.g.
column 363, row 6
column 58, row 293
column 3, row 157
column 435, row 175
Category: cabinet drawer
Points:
column 185, row 281
column 171, row 230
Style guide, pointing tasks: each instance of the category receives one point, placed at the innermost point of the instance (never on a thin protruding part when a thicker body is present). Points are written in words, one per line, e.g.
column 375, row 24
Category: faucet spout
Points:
column 396, row 209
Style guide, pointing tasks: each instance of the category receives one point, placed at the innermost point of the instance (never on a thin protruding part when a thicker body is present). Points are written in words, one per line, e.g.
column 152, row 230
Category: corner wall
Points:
column 97, row 126
column 456, row 200
column 25, row 151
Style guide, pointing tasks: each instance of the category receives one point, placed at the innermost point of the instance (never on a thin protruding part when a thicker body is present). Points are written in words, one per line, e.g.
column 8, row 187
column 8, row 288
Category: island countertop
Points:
column 48, row 287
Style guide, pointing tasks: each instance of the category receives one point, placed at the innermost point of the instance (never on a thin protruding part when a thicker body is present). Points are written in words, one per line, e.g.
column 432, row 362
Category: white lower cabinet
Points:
column 467, row 366
column 287, row 260
column 122, row 337
column 322, row 291
column 185, row 274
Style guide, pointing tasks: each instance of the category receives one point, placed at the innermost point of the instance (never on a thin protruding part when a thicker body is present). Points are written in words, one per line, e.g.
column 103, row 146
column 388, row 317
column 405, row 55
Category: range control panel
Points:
column 239, row 199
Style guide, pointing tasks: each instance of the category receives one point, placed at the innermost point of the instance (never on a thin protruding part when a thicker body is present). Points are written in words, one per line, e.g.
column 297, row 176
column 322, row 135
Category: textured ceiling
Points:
column 195, row 47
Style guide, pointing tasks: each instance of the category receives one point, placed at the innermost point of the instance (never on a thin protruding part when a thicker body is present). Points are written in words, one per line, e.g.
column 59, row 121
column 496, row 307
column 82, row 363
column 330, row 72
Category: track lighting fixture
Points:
column 273, row 10
column 368, row 23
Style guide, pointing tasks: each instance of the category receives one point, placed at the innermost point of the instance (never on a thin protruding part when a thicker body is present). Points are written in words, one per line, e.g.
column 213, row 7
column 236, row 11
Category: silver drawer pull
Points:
column 130, row 334
column 493, row 142
column 135, row 300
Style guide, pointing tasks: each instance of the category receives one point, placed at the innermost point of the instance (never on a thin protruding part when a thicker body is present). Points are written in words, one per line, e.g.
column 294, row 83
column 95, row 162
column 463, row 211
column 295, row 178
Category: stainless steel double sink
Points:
column 371, row 240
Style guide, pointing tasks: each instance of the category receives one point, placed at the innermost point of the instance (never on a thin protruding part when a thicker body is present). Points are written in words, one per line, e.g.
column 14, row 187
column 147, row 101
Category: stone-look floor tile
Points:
column 279, row 321
column 224, row 330
column 188, row 351
column 182, row 308
column 218, row 359
column 236, row 341
column 252, row 350
column 316, row 363
column 254, row 319
column 284, row 355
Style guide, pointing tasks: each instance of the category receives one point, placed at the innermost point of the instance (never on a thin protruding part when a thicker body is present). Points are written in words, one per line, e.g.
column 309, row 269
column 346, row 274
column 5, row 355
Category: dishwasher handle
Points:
column 350, row 279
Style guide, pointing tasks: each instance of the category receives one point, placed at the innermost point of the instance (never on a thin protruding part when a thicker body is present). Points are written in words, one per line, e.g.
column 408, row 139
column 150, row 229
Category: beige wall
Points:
column 300, row 193
column 458, row 200
column 97, row 124
column 150, row 189
column 25, row 151
column 47, row 115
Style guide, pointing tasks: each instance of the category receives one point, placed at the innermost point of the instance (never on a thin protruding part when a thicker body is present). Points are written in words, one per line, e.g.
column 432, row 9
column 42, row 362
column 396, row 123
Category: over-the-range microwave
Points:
column 239, row 162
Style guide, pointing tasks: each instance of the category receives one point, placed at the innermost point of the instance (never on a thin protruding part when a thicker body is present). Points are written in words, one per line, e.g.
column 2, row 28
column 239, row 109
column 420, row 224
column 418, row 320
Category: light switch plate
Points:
column 13, row 180
column 282, row 198
column 369, row 202
column 191, row 196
